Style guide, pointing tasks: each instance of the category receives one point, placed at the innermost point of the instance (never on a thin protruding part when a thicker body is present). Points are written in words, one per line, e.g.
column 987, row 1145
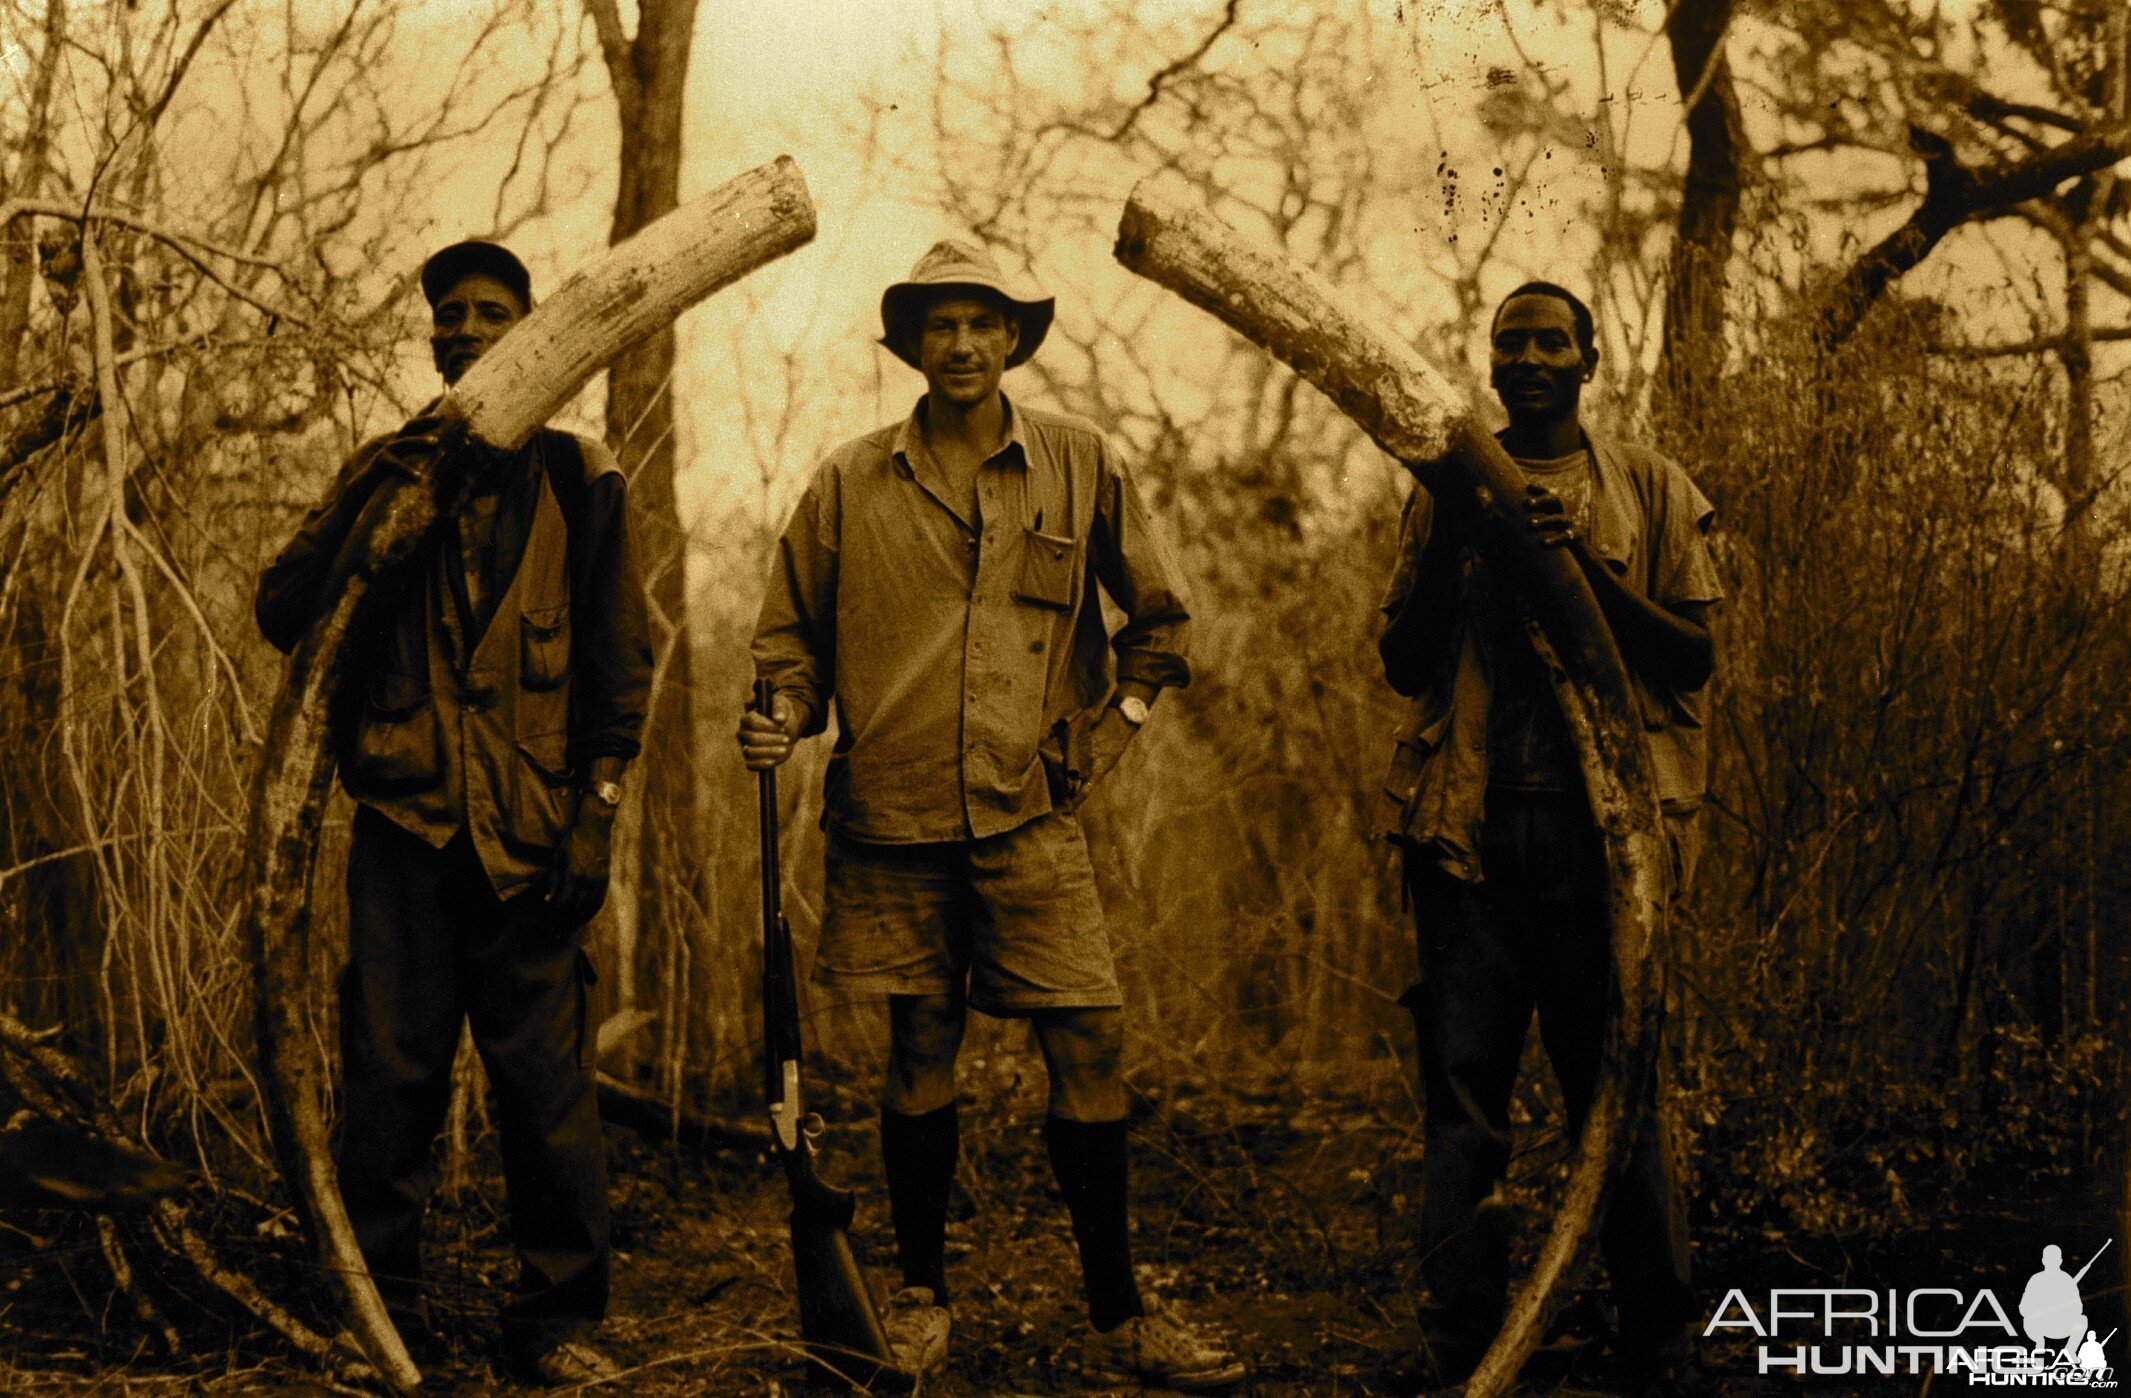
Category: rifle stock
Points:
column 838, row 1325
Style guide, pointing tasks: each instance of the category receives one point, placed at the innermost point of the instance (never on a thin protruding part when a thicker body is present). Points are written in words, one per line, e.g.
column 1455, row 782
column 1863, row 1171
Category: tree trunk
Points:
column 26, row 181
column 1408, row 408
column 2083, row 210
column 1692, row 360
column 649, row 75
column 632, row 291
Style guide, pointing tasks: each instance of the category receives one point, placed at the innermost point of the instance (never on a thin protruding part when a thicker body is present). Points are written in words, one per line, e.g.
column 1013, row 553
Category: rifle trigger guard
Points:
column 812, row 1127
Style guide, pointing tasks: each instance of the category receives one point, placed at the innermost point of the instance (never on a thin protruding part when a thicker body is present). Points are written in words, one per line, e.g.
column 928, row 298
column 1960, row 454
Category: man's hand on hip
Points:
column 766, row 739
column 1107, row 741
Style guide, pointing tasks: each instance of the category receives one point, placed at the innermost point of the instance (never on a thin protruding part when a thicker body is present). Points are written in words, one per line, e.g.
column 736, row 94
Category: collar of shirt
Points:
column 914, row 458
column 1612, row 525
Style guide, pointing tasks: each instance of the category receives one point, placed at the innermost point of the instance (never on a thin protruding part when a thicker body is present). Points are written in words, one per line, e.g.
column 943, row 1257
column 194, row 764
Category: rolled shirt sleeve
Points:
column 1136, row 570
column 1682, row 570
column 795, row 636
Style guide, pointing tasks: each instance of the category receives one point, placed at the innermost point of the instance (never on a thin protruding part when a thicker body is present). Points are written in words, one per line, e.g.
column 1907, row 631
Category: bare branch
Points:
column 154, row 112
column 2047, row 344
column 133, row 356
column 177, row 237
column 1955, row 194
column 1168, row 73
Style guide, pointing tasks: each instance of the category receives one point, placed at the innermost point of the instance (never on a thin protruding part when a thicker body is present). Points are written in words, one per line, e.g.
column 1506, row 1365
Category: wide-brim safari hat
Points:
column 954, row 265
column 447, row 266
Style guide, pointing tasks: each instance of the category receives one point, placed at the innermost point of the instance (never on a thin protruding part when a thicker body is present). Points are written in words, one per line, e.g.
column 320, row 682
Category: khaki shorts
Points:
column 1014, row 917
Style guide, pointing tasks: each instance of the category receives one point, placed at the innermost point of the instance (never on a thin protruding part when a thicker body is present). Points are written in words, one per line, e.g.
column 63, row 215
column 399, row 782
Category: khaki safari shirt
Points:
column 963, row 655
column 1649, row 523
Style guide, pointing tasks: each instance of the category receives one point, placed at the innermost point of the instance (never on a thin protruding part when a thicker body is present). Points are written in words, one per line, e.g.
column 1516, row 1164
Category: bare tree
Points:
column 197, row 333
column 1718, row 161
column 648, row 75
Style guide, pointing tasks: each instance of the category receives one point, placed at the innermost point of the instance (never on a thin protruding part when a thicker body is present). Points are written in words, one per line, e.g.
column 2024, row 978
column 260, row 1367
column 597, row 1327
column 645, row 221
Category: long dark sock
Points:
column 1088, row 1157
column 919, row 1155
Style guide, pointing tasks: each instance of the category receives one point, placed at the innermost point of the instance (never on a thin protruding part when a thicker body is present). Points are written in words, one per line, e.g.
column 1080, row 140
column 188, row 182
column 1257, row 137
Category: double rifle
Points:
column 838, row 1325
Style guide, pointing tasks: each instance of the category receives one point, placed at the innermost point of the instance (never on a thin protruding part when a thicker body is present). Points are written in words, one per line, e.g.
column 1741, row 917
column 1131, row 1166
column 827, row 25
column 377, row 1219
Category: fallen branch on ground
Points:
column 60, row 1091
column 650, row 1116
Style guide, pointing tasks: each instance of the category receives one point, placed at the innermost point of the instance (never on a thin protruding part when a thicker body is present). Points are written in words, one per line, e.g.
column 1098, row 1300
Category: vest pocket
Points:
column 1047, row 570
column 396, row 743
column 1417, row 739
column 544, row 647
column 541, row 808
column 549, row 754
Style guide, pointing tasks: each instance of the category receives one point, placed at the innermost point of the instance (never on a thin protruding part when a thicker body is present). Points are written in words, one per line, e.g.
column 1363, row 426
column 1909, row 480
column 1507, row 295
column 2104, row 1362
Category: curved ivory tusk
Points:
column 1168, row 236
column 631, row 291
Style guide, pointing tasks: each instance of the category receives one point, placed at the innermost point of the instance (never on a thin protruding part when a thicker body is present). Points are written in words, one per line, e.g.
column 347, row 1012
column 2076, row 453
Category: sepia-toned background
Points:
column 1875, row 295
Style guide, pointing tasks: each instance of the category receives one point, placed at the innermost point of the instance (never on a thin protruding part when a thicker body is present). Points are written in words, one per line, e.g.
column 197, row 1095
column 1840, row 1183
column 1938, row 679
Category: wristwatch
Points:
column 1134, row 709
column 608, row 794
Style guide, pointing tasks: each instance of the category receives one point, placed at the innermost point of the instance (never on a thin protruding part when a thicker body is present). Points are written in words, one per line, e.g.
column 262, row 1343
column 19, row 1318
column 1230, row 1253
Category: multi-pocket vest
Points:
column 437, row 743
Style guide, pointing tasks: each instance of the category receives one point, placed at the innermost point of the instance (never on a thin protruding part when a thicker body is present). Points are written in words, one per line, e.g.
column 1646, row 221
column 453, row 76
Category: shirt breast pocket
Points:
column 1047, row 570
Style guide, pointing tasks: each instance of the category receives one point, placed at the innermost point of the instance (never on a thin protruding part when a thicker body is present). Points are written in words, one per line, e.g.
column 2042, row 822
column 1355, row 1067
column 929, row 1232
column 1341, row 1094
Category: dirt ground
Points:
column 1280, row 1219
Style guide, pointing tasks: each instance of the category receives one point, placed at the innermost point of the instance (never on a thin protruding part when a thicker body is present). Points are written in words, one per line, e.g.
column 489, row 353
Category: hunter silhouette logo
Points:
column 1932, row 1330
column 2051, row 1311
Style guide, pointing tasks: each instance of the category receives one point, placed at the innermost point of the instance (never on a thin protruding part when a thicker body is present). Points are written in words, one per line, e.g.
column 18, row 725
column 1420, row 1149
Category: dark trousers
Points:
column 431, row 946
column 1532, row 936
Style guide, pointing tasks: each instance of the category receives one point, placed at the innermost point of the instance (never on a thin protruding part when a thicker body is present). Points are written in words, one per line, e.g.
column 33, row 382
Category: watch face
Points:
column 1134, row 710
column 609, row 793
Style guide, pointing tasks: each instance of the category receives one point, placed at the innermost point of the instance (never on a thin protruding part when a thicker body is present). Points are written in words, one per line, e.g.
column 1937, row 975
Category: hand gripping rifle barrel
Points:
column 838, row 1324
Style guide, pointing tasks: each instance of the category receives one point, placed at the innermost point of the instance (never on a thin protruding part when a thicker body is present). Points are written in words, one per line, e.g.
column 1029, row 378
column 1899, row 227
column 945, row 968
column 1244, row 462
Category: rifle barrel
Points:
column 2092, row 1260
column 766, row 816
column 776, row 949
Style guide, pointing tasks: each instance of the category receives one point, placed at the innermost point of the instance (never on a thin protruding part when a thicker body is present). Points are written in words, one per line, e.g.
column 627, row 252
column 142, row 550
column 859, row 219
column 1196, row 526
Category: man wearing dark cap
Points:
column 1504, row 865
column 938, row 586
column 495, row 693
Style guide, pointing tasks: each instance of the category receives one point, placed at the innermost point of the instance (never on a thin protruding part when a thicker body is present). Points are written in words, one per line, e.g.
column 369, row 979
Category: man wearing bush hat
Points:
column 938, row 586
column 495, row 694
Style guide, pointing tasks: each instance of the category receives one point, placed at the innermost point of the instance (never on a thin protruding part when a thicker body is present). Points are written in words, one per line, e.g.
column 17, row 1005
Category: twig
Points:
column 1162, row 77
column 122, row 1276
column 57, row 208
column 15, row 871
column 57, row 1088
column 132, row 356
column 177, row 1233
column 245, row 726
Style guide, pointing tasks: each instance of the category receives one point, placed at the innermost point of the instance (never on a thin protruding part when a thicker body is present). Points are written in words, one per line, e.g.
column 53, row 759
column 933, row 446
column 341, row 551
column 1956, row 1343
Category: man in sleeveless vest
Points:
column 495, row 693
column 1504, row 866
column 938, row 585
